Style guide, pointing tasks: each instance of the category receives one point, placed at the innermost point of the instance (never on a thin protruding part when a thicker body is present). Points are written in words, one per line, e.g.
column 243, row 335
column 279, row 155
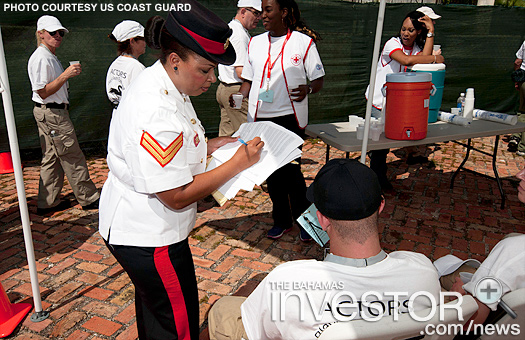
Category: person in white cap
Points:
column 129, row 36
column 449, row 267
column 505, row 263
column 413, row 45
column 428, row 12
column 247, row 18
column 60, row 149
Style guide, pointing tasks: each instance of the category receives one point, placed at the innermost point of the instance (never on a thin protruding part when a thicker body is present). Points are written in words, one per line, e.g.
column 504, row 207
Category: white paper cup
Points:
column 437, row 47
column 354, row 121
column 375, row 132
column 455, row 110
column 360, row 132
column 237, row 101
column 74, row 62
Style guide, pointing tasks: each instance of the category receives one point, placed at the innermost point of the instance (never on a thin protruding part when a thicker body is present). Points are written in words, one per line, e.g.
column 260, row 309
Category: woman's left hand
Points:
column 300, row 93
column 215, row 143
column 427, row 22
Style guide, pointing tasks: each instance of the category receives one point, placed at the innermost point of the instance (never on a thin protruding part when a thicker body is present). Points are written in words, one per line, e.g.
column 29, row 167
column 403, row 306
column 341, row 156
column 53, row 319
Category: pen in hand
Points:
column 242, row 141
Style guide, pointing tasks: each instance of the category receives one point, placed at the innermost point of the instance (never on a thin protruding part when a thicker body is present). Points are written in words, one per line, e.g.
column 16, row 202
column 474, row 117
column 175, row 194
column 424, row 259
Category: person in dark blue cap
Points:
column 300, row 299
column 157, row 158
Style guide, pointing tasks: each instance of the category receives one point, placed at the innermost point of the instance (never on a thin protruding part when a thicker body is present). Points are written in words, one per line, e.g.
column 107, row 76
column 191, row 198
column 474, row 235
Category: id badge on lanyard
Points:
column 265, row 94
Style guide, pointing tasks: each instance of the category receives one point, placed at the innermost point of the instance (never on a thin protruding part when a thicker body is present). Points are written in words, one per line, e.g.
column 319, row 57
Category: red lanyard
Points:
column 269, row 60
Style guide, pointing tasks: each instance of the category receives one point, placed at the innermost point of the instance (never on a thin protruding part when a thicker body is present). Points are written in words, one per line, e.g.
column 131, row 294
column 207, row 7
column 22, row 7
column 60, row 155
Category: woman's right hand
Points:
column 248, row 155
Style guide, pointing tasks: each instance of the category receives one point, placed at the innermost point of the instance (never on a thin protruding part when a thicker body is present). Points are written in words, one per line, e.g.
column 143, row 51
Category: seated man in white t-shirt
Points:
column 300, row 299
column 505, row 264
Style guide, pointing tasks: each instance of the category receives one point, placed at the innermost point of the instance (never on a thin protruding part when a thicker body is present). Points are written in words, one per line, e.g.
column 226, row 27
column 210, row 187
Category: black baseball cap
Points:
column 345, row 189
column 202, row 31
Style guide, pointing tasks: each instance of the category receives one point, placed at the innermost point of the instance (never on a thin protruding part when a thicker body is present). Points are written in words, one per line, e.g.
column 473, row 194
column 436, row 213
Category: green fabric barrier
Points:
column 479, row 45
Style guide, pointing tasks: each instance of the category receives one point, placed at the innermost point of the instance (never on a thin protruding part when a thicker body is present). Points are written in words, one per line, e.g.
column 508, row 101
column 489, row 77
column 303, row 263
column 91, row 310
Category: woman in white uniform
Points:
column 279, row 63
column 129, row 36
column 157, row 157
column 413, row 45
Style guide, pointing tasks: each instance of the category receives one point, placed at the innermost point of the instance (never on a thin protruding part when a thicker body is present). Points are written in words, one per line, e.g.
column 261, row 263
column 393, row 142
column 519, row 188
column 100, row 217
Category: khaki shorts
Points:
column 224, row 319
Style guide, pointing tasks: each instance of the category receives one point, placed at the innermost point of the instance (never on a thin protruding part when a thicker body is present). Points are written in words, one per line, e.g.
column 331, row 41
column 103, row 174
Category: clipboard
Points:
column 309, row 221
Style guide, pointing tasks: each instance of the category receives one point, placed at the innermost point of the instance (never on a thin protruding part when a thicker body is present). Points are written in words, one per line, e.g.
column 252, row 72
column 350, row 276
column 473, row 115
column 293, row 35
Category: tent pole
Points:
column 39, row 314
column 373, row 69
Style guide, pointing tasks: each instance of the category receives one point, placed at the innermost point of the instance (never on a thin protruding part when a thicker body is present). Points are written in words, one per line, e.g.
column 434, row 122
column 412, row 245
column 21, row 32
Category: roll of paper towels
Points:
column 496, row 117
column 452, row 118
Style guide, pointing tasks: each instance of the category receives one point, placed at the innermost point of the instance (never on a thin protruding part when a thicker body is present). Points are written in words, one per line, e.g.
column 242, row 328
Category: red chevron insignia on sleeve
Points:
column 162, row 155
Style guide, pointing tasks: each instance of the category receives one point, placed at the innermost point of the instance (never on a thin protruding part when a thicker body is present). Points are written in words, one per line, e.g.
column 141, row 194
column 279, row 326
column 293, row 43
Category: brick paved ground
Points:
column 90, row 297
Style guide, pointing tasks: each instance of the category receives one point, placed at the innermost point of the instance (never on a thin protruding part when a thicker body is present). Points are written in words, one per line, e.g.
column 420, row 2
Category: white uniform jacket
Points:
column 299, row 61
column 156, row 143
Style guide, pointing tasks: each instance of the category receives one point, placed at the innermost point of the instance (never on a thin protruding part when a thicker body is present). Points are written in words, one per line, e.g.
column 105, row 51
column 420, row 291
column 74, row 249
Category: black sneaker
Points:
column 513, row 144
column 277, row 232
column 305, row 237
column 91, row 206
column 63, row 205
column 411, row 160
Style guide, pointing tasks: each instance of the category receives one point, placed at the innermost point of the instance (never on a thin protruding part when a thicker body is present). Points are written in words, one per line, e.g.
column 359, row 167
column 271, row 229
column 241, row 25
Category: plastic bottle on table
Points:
column 461, row 103
column 469, row 104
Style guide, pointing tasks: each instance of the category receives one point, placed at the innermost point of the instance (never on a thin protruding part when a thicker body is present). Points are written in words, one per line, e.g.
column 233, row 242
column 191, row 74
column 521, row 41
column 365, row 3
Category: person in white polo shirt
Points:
column 247, row 18
column 129, row 36
column 61, row 153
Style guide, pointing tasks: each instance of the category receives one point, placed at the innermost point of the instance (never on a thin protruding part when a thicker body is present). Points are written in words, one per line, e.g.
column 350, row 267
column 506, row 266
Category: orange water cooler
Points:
column 407, row 102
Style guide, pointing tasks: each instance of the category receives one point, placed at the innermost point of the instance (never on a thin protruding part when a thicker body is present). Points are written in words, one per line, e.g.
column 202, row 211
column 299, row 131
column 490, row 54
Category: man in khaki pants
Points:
column 247, row 18
column 60, row 149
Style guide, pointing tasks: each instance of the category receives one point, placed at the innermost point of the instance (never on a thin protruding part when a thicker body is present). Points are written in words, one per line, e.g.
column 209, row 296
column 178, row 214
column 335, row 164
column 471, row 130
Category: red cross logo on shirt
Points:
column 295, row 59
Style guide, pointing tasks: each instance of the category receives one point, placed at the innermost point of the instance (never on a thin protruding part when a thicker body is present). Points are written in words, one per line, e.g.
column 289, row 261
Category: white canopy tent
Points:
column 39, row 314
column 373, row 71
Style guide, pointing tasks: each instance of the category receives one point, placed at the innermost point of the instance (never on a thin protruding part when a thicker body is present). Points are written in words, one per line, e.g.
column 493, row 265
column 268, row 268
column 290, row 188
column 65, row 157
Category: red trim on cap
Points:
column 213, row 47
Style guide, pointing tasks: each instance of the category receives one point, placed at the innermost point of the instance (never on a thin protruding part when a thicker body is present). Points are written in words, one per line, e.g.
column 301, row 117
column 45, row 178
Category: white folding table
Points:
column 343, row 137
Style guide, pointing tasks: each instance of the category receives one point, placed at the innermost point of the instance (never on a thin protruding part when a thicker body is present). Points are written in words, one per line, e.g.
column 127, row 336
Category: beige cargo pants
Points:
column 231, row 119
column 224, row 319
column 61, row 155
